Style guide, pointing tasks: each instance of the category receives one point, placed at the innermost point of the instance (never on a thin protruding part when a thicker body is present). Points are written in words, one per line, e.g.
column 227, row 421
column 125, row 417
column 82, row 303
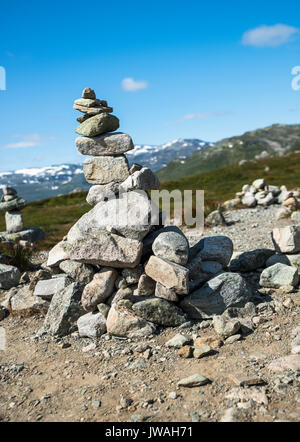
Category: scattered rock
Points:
column 195, row 380
column 279, row 275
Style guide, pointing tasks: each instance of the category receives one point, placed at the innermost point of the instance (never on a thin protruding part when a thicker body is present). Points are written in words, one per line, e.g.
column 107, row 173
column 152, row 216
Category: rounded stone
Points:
column 171, row 246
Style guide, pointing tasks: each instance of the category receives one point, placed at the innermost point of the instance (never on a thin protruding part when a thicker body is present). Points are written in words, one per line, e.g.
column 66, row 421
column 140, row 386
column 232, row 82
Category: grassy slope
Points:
column 57, row 215
column 229, row 151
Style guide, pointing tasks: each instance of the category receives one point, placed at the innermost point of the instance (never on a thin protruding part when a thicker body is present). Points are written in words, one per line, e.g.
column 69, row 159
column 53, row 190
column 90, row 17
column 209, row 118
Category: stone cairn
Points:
column 126, row 277
column 259, row 193
column 12, row 205
column 121, row 274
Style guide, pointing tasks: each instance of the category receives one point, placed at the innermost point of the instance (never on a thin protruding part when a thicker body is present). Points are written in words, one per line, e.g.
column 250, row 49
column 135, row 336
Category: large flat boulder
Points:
column 106, row 249
column 106, row 144
column 127, row 216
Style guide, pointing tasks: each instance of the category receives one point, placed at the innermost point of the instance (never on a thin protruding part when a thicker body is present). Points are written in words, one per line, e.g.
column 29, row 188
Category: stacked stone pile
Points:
column 12, row 205
column 127, row 275
column 124, row 276
column 259, row 193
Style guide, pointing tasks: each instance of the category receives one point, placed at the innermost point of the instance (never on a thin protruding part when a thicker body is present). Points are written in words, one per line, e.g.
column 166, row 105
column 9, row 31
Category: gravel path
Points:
column 249, row 229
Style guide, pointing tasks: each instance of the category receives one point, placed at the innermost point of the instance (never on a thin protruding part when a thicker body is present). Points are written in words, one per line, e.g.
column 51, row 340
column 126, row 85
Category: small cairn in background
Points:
column 12, row 205
column 259, row 193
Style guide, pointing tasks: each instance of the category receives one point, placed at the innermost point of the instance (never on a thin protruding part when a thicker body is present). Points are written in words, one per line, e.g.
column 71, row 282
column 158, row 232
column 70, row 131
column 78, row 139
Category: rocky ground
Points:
column 113, row 379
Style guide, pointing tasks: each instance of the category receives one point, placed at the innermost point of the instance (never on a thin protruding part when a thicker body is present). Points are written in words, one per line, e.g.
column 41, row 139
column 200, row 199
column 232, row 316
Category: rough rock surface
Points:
column 64, row 311
column 159, row 311
column 223, row 291
column 287, row 239
column 106, row 169
column 279, row 275
column 107, row 250
column 122, row 322
column 98, row 125
column 91, row 325
column 215, row 248
column 171, row 275
column 171, row 246
column 99, row 289
column 9, row 276
column 250, row 261
column 82, row 273
column 127, row 216
column 114, row 143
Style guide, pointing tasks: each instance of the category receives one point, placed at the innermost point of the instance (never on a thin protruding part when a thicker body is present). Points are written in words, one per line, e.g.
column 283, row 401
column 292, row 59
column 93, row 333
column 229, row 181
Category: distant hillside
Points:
column 35, row 184
column 156, row 157
column 57, row 215
column 273, row 140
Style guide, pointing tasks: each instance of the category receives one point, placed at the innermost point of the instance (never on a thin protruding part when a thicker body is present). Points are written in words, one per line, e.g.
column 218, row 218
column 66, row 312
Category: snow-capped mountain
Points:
column 38, row 183
column 156, row 157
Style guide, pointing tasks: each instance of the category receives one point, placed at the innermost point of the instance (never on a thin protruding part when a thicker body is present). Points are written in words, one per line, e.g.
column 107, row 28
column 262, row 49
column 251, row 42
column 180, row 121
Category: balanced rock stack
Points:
column 12, row 205
column 129, row 274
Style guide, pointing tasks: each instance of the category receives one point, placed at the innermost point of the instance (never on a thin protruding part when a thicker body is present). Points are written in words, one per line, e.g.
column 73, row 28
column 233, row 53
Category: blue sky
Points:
column 170, row 69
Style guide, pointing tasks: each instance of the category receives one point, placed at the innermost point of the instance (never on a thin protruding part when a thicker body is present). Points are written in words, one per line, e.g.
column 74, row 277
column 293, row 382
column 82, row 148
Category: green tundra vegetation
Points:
column 56, row 215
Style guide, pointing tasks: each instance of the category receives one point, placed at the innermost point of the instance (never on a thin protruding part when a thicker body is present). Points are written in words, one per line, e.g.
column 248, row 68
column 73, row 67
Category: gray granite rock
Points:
column 127, row 216
column 107, row 250
column 48, row 287
column 9, row 276
column 114, row 143
column 279, row 275
column 82, row 273
column 102, row 192
column 216, row 295
column 143, row 179
column 14, row 221
column 64, row 310
column 98, row 125
column 106, row 169
column 171, row 246
column 91, row 325
column 159, row 311
column 250, row 261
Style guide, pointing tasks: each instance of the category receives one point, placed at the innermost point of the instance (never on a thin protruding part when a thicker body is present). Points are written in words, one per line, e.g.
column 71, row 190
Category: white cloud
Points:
column 198, row 116
column 131, row 85
column 269, row 35
column 202, row 116
column 30, row 140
